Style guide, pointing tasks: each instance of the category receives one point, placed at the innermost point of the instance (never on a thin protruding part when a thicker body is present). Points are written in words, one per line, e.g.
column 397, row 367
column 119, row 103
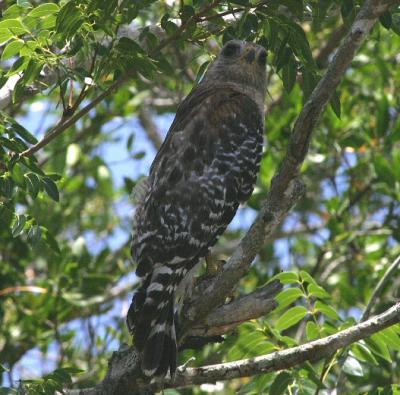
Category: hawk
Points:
column 205, row 168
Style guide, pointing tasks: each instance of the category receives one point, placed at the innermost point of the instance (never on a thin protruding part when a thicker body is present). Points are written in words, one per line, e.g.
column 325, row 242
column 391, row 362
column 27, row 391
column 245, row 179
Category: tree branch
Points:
column 289, row 358
column 379, row 288
column 125, row 361
column 149, row 127
column 228, row 316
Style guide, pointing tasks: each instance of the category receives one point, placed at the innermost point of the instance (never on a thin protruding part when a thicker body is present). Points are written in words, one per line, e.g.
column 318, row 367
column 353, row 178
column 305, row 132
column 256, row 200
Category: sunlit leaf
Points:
column 44, row 9
column 291, row 318
column 327, row 310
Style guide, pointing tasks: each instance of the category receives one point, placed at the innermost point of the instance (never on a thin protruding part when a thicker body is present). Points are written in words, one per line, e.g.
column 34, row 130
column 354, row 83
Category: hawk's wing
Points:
column 206, row 166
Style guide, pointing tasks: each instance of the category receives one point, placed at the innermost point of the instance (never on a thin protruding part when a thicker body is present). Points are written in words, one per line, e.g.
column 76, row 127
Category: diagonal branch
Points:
column 289, row 358
column 379, row 288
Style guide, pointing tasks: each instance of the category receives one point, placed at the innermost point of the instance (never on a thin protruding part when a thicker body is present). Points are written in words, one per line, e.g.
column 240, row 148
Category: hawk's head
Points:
column 240, row 62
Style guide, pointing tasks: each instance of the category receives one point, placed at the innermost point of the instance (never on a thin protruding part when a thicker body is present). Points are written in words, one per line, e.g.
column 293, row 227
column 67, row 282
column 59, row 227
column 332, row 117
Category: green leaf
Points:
column 317, row 291
column 291, row 318
column 5, row 35
column 312, row 330
column 11, row 49
column 283, row 57
column 335, row 104
column 33, row 183
column 71, row 370
column 396, row 24
column 352, row 367
column 386, row 20
column 128, row 46
column 347, row 8
column 69, row 20
column 18, row 226
column 295, row 6
column 378, row 347
column 288, row 296
column 326, row 310
column 8, row 391
column 31, row 165
column 299, row 44
column 11, row 144
column 51, row 188
column 34, row 234
column 390, row 338
column 363, row 353
column 50, row 240
column 383, row 117
column 7, row 186
column 20, row 130
column 202, row 70
column 44, row 9
column 289, row 74
column 286, row 278
column 383, row 169
column 14, row 25
column 309, row 82
column 281, row 382
column 307, row 278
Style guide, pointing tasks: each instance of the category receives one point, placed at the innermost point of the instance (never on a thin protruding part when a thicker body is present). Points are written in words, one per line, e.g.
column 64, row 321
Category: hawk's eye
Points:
column 231, row 49
column 262, row 57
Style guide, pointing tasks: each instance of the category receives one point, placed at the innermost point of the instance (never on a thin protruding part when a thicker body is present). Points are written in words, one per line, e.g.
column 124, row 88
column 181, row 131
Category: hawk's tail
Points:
column 151, row 321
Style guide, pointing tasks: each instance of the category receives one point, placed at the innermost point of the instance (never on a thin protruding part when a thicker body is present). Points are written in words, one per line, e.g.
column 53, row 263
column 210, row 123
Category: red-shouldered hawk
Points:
column 206, row 167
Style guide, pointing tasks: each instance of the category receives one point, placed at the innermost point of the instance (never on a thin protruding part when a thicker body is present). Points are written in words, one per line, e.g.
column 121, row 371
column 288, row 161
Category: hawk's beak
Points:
column 250, row 55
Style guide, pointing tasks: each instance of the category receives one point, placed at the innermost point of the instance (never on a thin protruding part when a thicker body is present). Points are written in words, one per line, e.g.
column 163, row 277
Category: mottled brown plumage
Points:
column 205, row 168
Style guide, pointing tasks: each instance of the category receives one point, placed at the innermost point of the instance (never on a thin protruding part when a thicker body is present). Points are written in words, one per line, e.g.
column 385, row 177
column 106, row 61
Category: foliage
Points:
column 65, row 213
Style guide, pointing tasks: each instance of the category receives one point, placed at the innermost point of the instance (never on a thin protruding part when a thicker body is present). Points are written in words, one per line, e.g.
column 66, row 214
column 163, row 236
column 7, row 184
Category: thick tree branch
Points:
column 289, row 358
column 228, row 316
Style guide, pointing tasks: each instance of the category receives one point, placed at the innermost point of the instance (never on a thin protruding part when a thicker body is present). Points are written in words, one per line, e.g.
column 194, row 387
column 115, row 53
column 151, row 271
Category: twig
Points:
column 66, row 123
column 322, row 59
column 149, row 127
column 379, row 288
